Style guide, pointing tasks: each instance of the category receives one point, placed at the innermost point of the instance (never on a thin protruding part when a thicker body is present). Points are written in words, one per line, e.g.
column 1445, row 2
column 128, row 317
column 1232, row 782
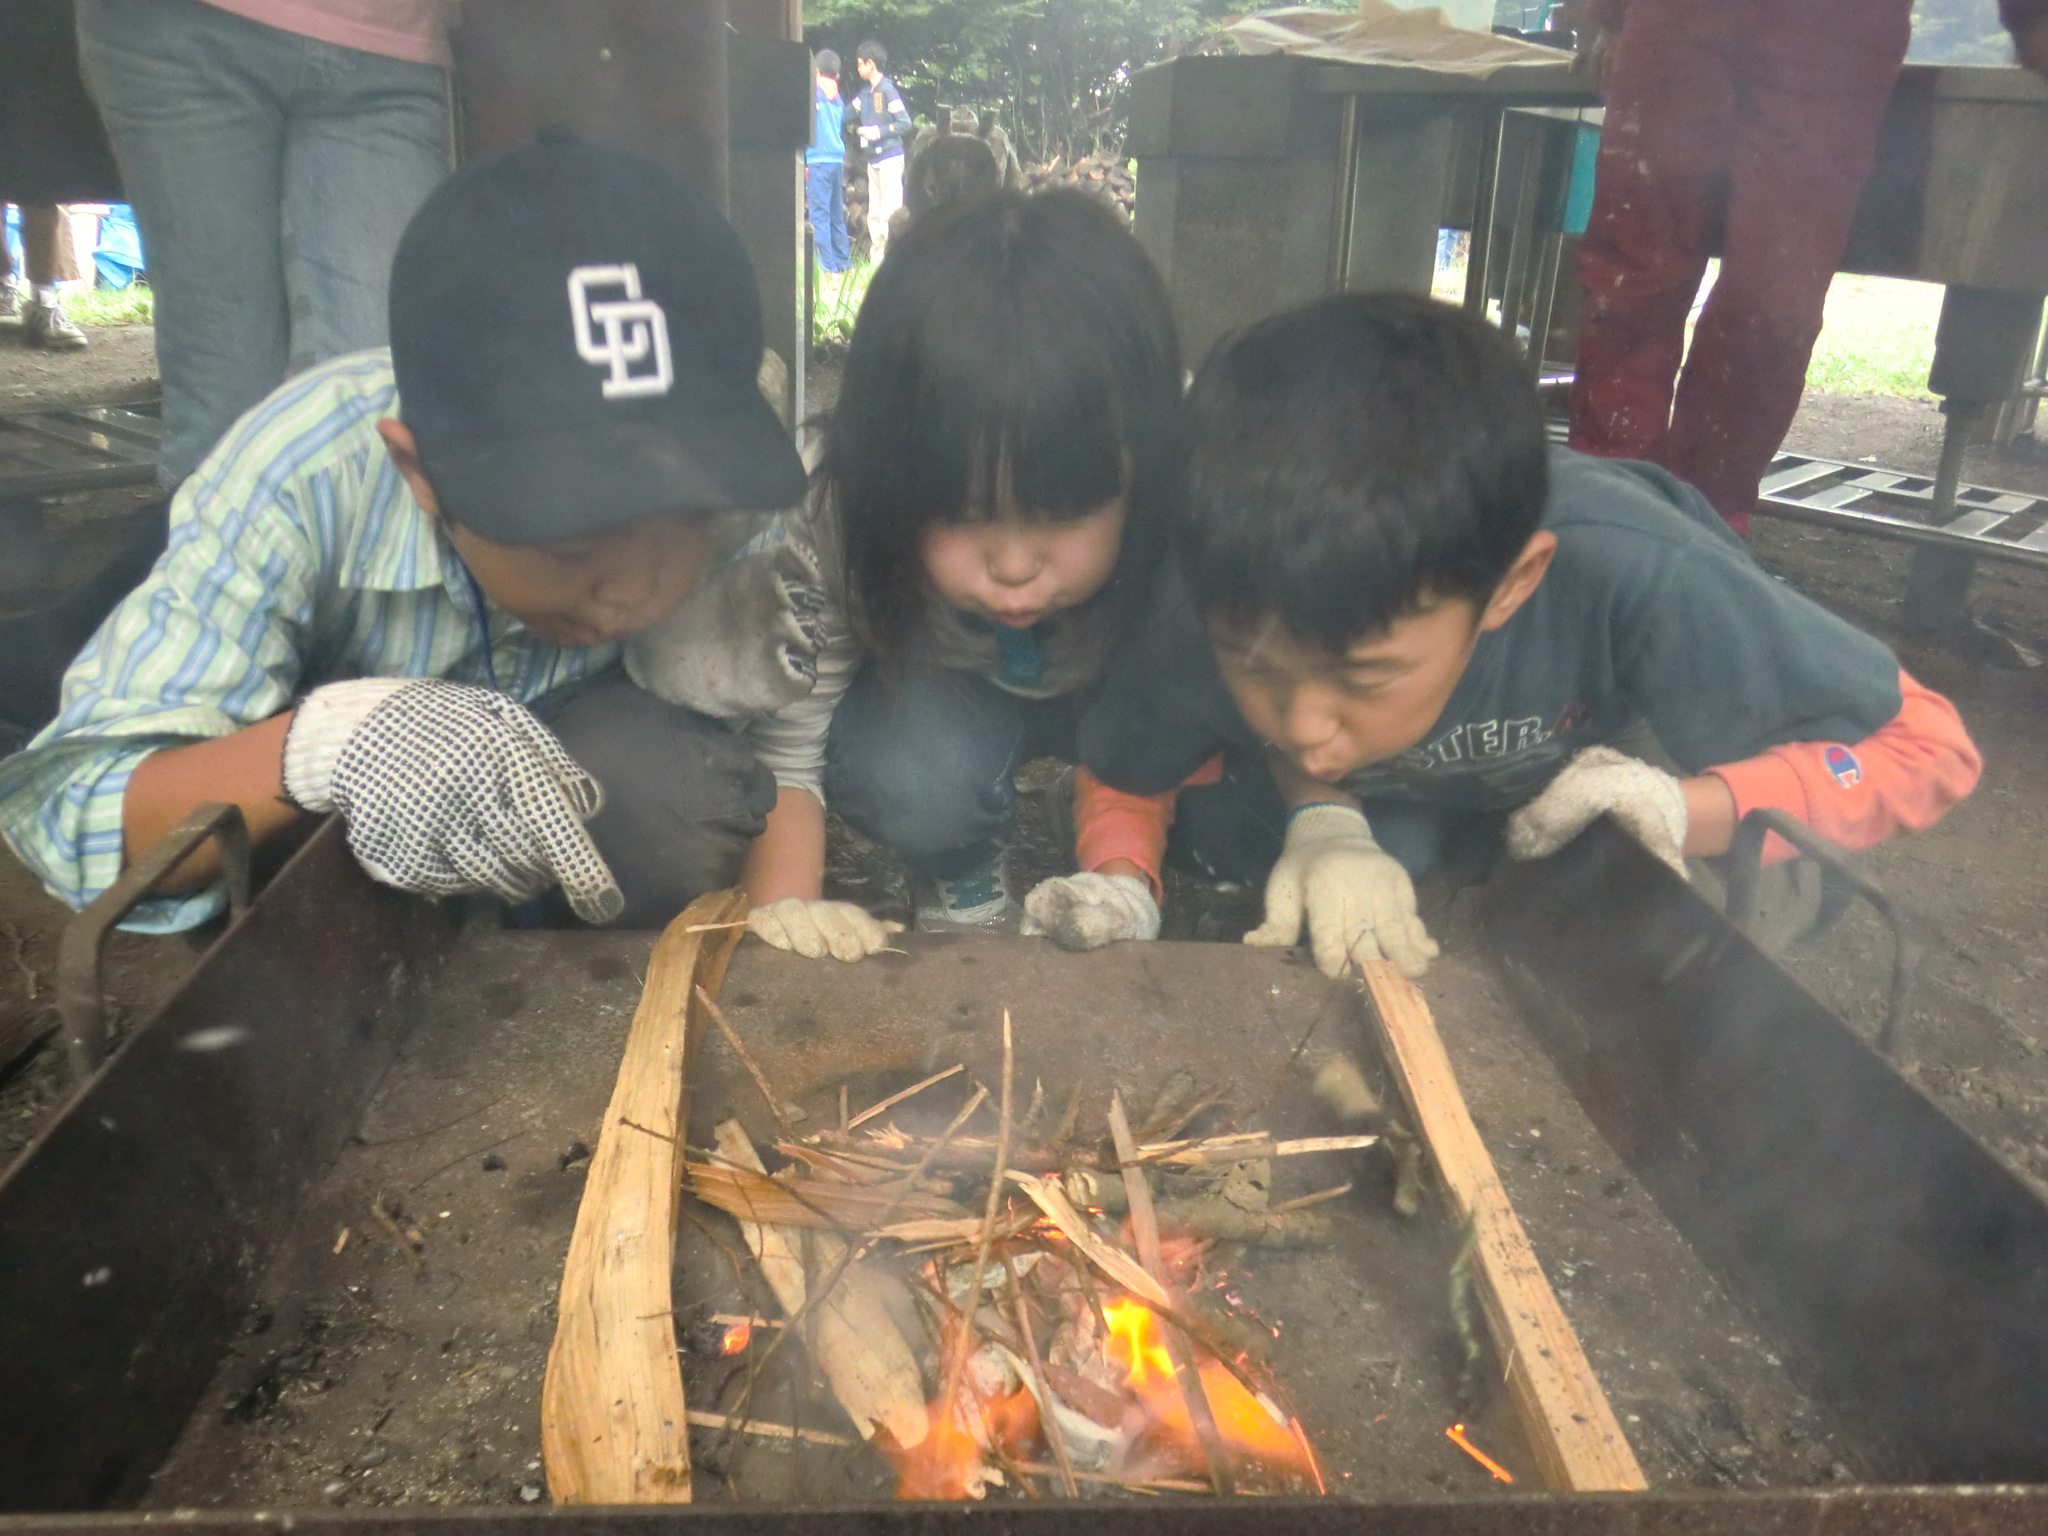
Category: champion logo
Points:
column 1842, row 765
column 626, row 335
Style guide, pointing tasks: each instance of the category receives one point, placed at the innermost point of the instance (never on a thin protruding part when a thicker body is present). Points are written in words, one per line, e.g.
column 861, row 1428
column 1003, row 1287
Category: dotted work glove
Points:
column 1087, row 911
column 821, row 929
column 745, row 642
column 1358, row 900
column 447, row 789
column 1598, row 781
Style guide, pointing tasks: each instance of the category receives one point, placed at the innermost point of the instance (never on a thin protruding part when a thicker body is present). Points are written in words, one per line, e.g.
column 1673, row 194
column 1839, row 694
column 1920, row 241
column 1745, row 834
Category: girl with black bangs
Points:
column 1003, row 462
column 989, row 514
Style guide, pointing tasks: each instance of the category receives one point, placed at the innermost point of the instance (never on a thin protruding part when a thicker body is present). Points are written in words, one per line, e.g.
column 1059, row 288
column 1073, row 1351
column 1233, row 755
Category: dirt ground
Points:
column 1979, row 1030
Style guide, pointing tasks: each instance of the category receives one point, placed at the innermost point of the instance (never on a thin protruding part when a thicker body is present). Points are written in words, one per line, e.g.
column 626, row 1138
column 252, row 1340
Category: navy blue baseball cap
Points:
column 576, row 334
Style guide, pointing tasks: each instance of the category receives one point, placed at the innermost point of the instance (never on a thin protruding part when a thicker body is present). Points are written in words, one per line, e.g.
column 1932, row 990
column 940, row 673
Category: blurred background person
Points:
column 246, row 127
column 34, row 303
column 825, row 166
column 882, row 125
column 1744, row 124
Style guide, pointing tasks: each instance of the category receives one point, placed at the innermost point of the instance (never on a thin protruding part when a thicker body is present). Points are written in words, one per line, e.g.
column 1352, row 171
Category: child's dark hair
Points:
column 1010, row 344
column 1355, row 457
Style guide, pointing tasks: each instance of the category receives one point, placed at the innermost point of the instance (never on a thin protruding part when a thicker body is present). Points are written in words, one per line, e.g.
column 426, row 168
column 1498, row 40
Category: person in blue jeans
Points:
column 237, row 126
column 825, row 166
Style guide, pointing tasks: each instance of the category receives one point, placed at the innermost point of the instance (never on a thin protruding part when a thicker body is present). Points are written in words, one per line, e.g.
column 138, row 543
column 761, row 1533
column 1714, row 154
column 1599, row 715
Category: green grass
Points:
column 132, row 305
column 838, row 304
column 1877, row 339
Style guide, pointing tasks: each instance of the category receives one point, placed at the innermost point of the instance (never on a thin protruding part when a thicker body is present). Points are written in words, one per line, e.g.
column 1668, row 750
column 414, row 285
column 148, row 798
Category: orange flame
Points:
column 1249, row 1426
column 948, row 1462
column 737, row 1337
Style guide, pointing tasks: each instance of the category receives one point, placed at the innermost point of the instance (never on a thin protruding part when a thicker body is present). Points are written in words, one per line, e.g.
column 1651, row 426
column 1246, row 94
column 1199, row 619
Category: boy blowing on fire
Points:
column 1433, row 623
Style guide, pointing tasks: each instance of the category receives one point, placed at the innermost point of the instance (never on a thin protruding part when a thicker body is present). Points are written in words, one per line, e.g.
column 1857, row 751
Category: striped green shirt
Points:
column 297, row 557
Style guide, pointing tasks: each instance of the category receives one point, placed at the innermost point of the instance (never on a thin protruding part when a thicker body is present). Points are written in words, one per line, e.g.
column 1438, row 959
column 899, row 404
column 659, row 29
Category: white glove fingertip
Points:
column 599, row 905
column 1282, row 926
column 766, row 925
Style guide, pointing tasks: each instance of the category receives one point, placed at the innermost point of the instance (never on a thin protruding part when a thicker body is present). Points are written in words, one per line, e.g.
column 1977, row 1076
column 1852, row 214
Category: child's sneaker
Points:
column 47, row 326
column 976, row 902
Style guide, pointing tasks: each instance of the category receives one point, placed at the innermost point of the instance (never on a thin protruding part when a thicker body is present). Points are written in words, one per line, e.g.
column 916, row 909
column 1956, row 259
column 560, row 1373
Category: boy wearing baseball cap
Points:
column 389, row 572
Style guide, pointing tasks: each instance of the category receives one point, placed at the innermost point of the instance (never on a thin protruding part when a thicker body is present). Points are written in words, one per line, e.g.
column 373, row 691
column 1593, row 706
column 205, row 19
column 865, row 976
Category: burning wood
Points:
column 987, row 1314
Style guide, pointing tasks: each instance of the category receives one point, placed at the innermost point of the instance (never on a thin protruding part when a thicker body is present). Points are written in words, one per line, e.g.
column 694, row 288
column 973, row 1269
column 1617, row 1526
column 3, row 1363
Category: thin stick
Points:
column 894, row 1099
column 413, row 1261
column 1456, row 1435
column 1155, row 1485
column 1303, row 1202
column 1279, row 1083
column 1054, row 1435
column 463, row 1158
column 732, row 1038
column 767, row 1431
column 1145, row 1233
column 433, row 1130
column 1069, row 1118
column 842, row 1107
column 740, row 922
column 956, row 1364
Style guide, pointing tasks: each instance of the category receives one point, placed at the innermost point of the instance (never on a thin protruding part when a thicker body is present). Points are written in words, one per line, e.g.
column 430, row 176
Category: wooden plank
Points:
column 613, row 1422
column 1571, row 1430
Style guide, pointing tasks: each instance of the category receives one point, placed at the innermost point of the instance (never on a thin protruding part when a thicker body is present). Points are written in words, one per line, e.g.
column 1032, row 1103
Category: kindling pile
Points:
column 1020, row 1305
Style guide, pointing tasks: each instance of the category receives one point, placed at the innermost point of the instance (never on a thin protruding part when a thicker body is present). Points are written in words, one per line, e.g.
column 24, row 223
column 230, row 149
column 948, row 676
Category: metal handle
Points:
column 85, row 936
column 1909, row 946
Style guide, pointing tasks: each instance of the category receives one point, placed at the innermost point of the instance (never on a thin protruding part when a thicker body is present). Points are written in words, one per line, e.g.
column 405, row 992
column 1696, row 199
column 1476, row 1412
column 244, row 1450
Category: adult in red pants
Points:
column 1753, row 120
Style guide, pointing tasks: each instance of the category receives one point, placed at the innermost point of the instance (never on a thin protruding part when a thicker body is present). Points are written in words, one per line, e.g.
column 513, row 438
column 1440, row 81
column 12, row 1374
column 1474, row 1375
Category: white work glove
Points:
column 820, row 929
column 447, row 789
column 745, row 642
column 1087, row 911
column 1647, row 801
column 1359, row 901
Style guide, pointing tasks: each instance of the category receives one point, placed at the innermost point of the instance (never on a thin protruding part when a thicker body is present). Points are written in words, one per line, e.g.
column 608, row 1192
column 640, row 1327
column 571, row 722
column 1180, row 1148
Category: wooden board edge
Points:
column 1571, row 1428
column 613, row 1417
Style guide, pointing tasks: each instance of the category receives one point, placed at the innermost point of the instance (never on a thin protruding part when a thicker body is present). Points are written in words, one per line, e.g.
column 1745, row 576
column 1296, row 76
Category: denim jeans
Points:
column 925, row 768
column 825, row 201
column 230, row 133
column 684, row 796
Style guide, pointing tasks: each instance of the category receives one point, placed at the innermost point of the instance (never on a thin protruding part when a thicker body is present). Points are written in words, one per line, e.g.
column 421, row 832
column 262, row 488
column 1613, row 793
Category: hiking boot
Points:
column 975, row 902
column 47, row 326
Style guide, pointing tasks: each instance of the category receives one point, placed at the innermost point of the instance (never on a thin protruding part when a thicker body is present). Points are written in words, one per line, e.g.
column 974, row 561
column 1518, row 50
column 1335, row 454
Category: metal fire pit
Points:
column 177, row 1289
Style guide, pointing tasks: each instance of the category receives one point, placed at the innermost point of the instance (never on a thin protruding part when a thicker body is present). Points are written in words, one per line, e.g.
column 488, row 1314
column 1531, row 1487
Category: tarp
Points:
column 1380, row 33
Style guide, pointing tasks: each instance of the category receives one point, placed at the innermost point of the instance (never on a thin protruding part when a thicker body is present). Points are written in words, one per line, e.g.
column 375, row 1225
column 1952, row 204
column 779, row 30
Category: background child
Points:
column 989, row 513
column 825, row 166
column 387, row 561
column 1433, row 622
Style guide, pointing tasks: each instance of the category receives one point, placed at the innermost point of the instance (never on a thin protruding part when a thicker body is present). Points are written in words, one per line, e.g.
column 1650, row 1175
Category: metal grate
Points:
column 1890, row 504
column 79, row 449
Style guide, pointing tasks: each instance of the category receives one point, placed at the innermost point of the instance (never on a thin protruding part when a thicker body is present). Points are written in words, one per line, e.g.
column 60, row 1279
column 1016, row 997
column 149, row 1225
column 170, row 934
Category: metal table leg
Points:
column 1980, row 347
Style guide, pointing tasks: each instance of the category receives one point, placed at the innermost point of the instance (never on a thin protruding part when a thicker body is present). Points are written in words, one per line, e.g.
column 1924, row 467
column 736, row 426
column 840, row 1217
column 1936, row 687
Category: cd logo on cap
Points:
column 616, row 334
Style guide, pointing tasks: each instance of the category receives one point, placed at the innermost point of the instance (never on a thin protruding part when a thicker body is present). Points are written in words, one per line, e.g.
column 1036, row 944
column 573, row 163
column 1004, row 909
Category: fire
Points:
column 951, row 1461
column 1250, row 1426
column 737, row 1337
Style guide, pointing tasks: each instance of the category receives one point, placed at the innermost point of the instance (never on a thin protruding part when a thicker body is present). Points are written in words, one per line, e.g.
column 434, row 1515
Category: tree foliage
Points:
column 1056, row 71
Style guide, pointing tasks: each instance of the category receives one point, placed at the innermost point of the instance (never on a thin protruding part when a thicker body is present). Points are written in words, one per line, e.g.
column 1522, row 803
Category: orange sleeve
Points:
column 1902, row 777
column 1110, row 824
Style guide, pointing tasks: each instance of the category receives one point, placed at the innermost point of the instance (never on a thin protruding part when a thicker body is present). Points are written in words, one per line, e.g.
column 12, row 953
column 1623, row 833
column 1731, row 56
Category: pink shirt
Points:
column 400, row 29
